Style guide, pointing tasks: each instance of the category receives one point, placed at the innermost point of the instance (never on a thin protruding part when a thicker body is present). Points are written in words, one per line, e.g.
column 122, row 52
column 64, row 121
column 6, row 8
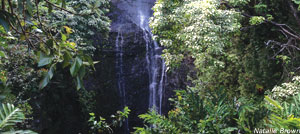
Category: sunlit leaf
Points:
column 63, row 37
column 273, row 102
column 2, row 54
column 68, row 29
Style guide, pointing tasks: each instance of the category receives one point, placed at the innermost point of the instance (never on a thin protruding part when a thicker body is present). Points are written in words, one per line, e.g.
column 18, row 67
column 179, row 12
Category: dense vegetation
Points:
column 244, row 57
column 241, row 49
column 45, row 54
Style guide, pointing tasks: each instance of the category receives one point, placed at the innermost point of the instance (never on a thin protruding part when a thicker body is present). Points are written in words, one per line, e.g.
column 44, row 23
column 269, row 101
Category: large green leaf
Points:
column 273, row 102
column 67, row 59
column 75, row 66
column 3, row 22
column 79, row 83
column 5, row 19
column 82, row 72
column 2, row 54
column 10, row 115
column 44, row 59
column 297, row 1
column 47, row 77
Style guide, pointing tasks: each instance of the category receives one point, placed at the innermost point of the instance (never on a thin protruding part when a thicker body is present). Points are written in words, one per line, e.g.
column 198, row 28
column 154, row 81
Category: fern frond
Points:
column 20, row 132
column 10, row 115
column 273, row 102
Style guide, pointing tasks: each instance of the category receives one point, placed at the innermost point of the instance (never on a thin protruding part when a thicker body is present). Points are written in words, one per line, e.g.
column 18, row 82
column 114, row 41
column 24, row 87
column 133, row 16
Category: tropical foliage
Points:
column 240, row 50
column 100, row 126
column 9, row 117
column 243, row 66
column 39, row 49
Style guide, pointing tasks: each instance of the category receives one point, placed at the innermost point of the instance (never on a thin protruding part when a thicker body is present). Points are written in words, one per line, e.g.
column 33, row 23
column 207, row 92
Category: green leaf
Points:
column 50, row 8
column 20, row 6
column 50, row 43
column 67, row 59
column 44, row 59
column 297, row 1
column 5, row 18
column 10, row 115
column 29, row 6
column 58, row 1
column 82, row 72
column 47, row 78
column 63, row 37
column 275, row 103
column 20, row 132
column 2, row 54
column 63, row 4
column 79, row 83
column 4, row 24
column 75, row 66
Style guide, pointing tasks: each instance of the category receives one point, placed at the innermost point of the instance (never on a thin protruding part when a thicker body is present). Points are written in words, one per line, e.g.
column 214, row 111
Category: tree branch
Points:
column 11, row 7
column 3, row 4
column 294, row 12
column 60, row 7
column 285, row 28
column 63, row 9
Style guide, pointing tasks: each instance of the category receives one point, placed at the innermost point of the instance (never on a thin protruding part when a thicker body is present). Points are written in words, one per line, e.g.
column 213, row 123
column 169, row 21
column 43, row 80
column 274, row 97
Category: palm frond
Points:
column 10, row 115
column 20, row 132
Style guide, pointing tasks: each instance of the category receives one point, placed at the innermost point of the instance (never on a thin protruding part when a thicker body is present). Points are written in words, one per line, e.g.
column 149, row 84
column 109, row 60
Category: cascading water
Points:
column 161, row 84
column 120, row 74
column 156, row 71
column 156, row 66
column 133, row 16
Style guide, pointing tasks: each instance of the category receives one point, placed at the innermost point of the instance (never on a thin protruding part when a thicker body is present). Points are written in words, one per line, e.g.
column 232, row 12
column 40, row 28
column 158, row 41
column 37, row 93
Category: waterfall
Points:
column 155, row 63
column 161, row 84
column 120, row 74
column 131, row 23
column 156, row 71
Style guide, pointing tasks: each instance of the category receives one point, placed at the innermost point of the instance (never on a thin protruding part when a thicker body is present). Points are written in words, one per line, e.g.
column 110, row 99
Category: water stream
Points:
column 156, row 66
column 120, row 73
column 139, row 12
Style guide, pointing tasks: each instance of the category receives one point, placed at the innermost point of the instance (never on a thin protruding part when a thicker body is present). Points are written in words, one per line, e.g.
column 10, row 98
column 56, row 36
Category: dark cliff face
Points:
column 135, row 74
column 130, row 23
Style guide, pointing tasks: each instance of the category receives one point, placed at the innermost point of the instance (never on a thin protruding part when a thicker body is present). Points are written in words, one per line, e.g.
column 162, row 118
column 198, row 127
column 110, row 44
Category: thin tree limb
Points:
column 294, row 12
column 3, row 4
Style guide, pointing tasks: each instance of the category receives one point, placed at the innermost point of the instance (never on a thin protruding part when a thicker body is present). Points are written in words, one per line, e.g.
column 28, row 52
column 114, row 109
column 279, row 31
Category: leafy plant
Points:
column 193, row 113
column 9, row 117
column 256, row 20
column 286, row 116
column 66, row 54
column 286, row 91
column 40, row 49
column 101, row 126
